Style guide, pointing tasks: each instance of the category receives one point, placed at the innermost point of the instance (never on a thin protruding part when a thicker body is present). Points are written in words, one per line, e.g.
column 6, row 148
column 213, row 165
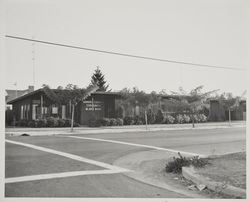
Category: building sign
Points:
column 92, row 105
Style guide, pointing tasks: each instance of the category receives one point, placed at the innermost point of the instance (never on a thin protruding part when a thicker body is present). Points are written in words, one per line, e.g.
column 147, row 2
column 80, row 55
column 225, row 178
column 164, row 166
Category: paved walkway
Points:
column 121, row 129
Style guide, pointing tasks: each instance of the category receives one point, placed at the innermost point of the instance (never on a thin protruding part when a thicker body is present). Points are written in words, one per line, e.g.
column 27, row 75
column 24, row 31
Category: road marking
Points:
column 71, row 156
column 137, row 145
column 60, row 175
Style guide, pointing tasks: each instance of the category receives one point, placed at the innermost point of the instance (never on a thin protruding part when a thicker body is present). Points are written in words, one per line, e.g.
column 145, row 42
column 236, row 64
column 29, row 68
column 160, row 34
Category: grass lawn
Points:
column 229, row 169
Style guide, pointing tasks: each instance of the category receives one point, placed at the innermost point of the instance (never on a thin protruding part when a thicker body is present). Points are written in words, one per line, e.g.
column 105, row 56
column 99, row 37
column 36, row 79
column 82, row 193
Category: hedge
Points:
column 48, row 122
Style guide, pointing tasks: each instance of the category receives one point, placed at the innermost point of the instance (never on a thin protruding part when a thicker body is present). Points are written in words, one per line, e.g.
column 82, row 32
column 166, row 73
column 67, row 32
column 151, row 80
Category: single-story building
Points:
column 38, row 105
column 218, row 112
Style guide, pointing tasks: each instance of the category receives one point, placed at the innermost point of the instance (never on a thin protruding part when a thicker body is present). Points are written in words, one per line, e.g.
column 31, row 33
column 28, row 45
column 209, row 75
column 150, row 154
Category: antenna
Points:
column 33, row 60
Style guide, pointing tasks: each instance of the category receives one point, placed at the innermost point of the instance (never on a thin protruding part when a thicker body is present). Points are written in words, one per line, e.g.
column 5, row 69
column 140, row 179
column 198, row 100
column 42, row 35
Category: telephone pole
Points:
column 33, row 60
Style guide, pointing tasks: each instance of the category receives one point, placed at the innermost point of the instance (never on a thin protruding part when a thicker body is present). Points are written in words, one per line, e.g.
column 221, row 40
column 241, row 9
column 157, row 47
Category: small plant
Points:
column 169, row 119
column 105, row 121
column 67, row 123
column 179, row 118
column 22, row 123
column 202, row 118
column 32, row 124
column 186, row 118
column 119, row 121
column 138, row 120
column 52, row 122
column 61, row 122
column 128, row 120
column 159, row 118
column 113, row 122
column 150, row 116
column 41, row 123
column 176, row 165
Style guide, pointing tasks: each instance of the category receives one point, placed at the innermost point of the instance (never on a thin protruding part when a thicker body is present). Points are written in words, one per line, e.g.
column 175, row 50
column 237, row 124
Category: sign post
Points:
column 146, row 120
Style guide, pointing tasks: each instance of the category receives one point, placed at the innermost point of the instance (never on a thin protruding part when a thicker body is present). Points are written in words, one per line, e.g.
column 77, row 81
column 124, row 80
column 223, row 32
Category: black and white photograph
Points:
column 124, row 99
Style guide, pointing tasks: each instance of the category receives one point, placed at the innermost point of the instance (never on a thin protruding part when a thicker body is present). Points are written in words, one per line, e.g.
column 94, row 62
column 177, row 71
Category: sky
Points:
column 199, row 31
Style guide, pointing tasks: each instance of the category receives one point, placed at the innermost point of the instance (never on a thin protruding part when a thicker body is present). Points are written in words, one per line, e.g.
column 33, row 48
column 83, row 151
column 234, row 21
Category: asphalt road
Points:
column 105, row 148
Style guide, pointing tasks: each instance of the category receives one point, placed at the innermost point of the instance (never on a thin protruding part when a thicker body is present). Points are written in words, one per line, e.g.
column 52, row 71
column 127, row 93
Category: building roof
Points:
column 13, row 94
column 56, row 90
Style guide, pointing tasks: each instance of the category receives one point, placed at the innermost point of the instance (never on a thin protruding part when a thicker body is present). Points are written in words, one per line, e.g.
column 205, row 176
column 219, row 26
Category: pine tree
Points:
column 99, row 80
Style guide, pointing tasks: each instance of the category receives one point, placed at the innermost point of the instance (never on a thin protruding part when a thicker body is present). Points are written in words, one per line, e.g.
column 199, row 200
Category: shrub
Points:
column 202, row 118
column 159, row 118
column 94, row 123
column 119, row 121
column 150, row 117
column 76, row 124
column 52, row 122
column 169, row 119
column 138, row 120
column 179, row 118
column 176, row 165
column 113, row 122
column 61, row 122
column 196, row 118
column 186, row 118
column 128, row 120
column 67, row 123
column 105, row 121
column 22, row 123
column 41, row 123
column 32, row 124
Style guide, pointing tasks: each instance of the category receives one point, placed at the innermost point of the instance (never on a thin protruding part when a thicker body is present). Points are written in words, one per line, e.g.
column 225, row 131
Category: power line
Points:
column 126, row 55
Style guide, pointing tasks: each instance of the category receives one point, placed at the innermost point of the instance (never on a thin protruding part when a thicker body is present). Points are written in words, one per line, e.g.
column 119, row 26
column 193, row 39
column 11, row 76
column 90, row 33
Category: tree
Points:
column 71, row 93
column 195, row 100
column 99, row 80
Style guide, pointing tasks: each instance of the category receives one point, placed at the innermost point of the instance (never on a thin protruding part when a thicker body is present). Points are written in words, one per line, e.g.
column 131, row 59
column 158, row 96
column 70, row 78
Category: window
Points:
column 21, row 112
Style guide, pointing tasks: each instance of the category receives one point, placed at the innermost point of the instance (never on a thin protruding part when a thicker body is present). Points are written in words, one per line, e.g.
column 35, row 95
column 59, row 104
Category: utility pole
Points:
column 15, row 84
column 33, row 60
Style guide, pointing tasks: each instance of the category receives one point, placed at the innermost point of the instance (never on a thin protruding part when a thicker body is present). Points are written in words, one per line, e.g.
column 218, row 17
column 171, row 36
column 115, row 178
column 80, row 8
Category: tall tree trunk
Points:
column 72, row 118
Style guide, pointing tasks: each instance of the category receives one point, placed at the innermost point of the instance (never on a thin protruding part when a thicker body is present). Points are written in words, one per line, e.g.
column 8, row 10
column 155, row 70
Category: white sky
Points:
column 200, row 31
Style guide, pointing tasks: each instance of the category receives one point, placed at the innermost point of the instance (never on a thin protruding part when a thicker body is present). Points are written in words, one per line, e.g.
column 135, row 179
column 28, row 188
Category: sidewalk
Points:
column 121, row 129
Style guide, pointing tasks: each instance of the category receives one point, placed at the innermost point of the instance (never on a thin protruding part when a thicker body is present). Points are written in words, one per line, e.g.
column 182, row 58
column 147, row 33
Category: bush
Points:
column 150, row 117
column 196, row 118
column 41, row 123
column 94, row 123
column 119, row 122
column 169, row 119
column 76, row 124
column 159, row 118
column 138, row 120
column 128, row 120
column 179, row 118
column 52, row 122
column 32, row 124
column 22, row 123
column 176, row 165
column 186, row 118
column 113, row 122
column 67, row 123
column 202, row 118
column 61, row 122
column 105, row 121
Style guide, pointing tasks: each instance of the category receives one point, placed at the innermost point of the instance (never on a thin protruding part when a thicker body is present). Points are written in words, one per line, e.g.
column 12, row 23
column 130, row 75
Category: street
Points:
column 82, row 165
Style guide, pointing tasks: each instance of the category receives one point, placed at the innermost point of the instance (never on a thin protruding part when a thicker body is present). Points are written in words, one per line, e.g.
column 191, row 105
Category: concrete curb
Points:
column 55, row 131
column 219, row 187
column 140, row 173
